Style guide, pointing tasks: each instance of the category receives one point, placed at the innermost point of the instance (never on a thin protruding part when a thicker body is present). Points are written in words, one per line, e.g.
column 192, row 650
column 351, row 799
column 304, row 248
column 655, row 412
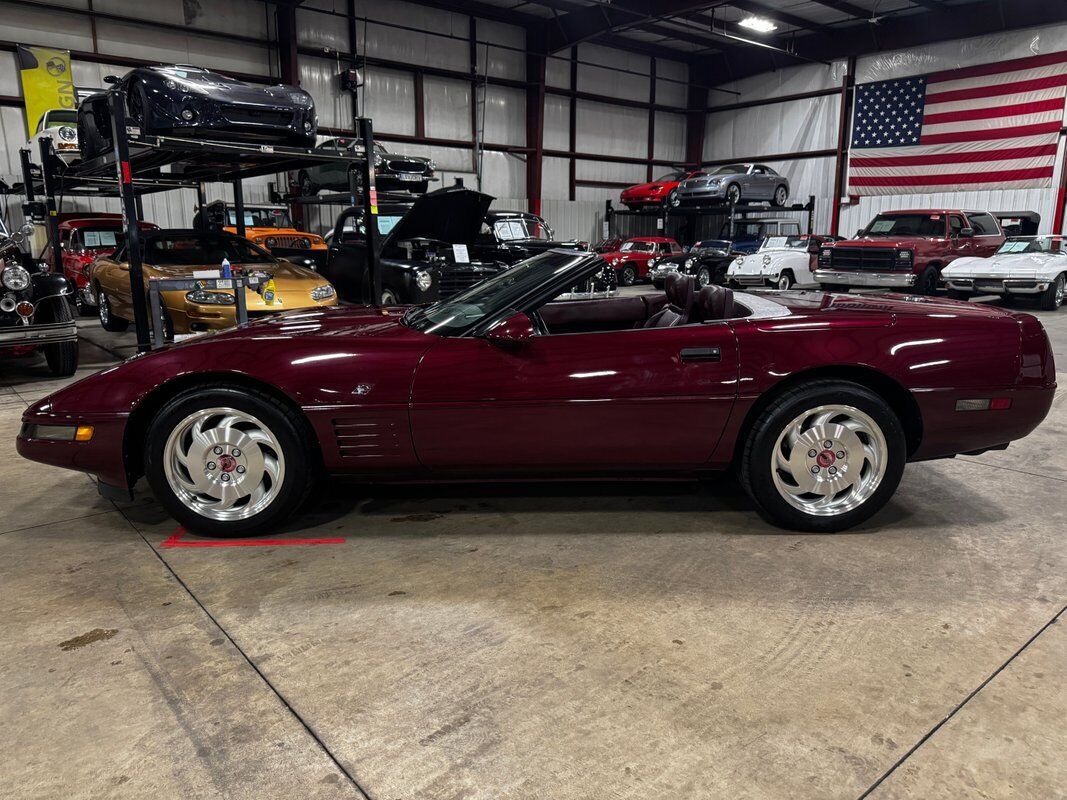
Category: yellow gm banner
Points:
column 46, row 82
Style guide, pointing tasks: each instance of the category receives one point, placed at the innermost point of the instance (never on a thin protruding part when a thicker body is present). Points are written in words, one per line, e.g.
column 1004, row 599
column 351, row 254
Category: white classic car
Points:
column 780, row 261
column 61, row 126
column 1030, row 265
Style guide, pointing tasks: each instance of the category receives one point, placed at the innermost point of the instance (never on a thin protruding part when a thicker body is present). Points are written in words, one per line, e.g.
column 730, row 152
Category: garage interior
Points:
column 565, row 639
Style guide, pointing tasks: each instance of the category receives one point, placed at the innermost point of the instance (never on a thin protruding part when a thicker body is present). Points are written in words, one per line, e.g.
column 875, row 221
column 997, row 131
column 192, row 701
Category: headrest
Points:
column 680, row 289
column 715, row 302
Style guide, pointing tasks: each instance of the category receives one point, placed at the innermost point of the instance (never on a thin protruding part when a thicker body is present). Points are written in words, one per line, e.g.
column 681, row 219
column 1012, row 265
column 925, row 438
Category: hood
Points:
column 452, row 215
column 644, row 187
column 283, row 270
column 343, row 321
column 1018, row 265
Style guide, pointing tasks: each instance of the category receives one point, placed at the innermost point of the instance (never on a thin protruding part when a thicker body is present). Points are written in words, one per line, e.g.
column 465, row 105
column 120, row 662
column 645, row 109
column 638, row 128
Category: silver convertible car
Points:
column 734, row 183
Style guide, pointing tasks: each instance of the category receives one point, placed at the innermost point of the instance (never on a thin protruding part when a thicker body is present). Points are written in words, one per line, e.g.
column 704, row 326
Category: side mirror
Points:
column 511, row 331
column 111, row 79
column 966, row 232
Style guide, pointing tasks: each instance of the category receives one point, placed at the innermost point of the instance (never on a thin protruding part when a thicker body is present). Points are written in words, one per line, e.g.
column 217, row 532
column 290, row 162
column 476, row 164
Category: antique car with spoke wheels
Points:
column 817, row 401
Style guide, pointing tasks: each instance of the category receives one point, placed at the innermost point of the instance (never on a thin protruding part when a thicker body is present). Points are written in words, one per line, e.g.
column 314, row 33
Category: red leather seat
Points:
column 715, row 302
column 681, row 297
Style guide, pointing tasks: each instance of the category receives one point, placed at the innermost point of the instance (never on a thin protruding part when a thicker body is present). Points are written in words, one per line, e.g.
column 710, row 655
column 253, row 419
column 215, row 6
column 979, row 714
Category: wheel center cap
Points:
column 825, row 458
column 227, row 463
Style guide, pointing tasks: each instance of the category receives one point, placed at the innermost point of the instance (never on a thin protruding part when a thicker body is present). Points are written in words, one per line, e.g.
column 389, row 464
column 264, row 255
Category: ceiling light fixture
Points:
column 758, row 24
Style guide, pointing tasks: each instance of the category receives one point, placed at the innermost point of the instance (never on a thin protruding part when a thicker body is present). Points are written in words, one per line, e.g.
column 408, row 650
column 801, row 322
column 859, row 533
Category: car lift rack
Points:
column 691, row 223
column 140, row 164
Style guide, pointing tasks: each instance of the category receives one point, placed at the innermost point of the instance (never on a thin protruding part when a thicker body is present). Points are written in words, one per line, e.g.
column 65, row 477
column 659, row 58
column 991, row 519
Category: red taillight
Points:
column 984, row 404
column 1000, row 404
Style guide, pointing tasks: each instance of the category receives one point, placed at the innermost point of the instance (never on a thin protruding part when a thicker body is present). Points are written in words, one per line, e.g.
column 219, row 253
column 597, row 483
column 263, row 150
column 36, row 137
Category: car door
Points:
column 961, row 245
column 654, row 398
column 346, row 257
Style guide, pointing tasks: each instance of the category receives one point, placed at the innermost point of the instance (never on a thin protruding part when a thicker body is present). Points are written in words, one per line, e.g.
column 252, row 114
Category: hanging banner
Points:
column 46, row 82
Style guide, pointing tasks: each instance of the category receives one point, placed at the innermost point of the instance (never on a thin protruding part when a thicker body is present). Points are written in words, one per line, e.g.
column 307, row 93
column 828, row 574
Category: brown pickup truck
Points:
column 907, row 249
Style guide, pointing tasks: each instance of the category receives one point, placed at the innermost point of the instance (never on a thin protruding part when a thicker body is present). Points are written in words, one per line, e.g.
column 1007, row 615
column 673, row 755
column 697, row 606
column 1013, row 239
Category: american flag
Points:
column 990, row 126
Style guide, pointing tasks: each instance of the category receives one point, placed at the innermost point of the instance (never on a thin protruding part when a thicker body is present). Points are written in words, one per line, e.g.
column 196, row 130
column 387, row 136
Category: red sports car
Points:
column 658, row 192
column 816, row 400
column 636, row 257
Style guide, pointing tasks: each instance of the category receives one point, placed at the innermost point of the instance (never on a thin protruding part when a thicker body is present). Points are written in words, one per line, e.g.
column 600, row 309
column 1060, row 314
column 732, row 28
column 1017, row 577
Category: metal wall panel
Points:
column 670, row 137
column 611, row 130
column 555, row 178
column 318, row 76
column 558, row 71
column 503, row 174
column 42, row 27
column 504, row 120
column 155, row 45
column 498, row 62
column 605, row 79
column 789, row 80
column 671, row 92
column 447, row 107
column 322, row 30
column 557, row 122
column 788, row 127
column 411, row 47
column 574, row 219
column 810, row 176
column 247, row 17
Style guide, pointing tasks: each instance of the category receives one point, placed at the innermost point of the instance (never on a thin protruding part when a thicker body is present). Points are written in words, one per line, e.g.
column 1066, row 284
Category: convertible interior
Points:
column 678, row 304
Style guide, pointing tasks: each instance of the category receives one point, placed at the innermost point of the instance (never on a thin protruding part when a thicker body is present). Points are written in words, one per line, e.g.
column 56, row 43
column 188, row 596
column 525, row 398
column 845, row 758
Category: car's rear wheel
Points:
column 226, row 461
column 781, row 194
column 108, row 321
column 703, row 277
column 628, row 275
column 62, row 357
column 1052, row 297
column 823, row 457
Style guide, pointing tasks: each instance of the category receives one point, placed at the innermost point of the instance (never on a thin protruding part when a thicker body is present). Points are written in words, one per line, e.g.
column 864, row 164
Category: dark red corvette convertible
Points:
column 816, row 400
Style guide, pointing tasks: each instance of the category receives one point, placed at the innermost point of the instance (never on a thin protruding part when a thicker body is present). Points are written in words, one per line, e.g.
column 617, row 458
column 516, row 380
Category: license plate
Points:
column 409, row 176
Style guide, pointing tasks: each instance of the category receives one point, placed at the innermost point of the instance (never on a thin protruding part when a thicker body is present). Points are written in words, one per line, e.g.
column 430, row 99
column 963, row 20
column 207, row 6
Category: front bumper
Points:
column 998, row 285
column 748, row 279
column 887, row 280
column 703, row 194
column 51, row 333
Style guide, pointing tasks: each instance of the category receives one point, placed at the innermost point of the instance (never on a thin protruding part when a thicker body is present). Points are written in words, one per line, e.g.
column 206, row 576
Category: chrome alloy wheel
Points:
column 224, row 464
column 829, row 460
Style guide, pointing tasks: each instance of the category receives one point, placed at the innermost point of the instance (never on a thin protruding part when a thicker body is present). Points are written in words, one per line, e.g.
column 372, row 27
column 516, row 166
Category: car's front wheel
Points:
column 62, row 357
column 927, row 284
column 108, row 321
column 226, row 461
column 785, row 281
column 781, row 195
column 823, row 457
column 703, row 277
column 1052, row 297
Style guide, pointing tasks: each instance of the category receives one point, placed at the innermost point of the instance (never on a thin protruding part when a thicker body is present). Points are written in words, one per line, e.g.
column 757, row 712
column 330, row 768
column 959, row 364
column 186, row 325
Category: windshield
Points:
column 730, row 169
column 516, row 228
column 641, row 247
column 1032, row 244
column 712, row 244
column 193, row 74
column 101, row 239
column 670, row 176
column 499, row 293
column 780, row 242
column 262, row 218
column 59, row 116
column 196, row 249
column 906, row 225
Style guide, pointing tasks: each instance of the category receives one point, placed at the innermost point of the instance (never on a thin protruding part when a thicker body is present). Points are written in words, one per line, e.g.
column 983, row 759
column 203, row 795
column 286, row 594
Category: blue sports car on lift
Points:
column 190, row 101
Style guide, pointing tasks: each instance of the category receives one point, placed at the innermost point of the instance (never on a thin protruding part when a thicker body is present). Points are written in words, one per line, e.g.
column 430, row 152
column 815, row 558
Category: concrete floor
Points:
column 551, row 642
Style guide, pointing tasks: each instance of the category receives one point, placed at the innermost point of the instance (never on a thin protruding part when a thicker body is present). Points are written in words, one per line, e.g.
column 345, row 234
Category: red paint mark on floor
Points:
column 176, row 540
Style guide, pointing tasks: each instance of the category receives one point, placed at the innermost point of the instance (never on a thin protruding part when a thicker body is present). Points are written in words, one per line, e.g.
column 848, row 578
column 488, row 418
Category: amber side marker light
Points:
column 83, row 433
column 985, row 404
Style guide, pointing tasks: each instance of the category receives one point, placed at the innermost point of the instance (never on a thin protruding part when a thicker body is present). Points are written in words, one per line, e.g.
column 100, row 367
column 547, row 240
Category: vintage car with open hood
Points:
column 512, row 236
column 817, row 401
column 181, row 254
column 1035, row 266
column 182, row 100
column 427, row 249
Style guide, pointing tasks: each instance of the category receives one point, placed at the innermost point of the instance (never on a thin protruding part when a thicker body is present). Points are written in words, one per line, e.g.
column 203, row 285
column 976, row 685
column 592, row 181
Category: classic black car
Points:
column 391, row 170
column 35, row 313
column 193, row 101
column 513, row 236
column 426, row 249
column 707, row 261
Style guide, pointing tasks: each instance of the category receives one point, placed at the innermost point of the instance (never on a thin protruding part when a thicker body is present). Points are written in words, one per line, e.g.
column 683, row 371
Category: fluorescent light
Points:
column 758, row 24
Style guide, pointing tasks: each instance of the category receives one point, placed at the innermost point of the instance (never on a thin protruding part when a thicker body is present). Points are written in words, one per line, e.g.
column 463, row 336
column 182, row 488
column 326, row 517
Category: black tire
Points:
column 62, row 357
column 308, row 187
column 755, row 472
column 733, row 194
column 627, row 275
column 672, row 197
column 291, row 430
column 168, row 324
column 785, row 281
column 108, row 321
column 703, row 277
column 781, row 196
column 959, row 294
column 138, row 103
column 1052, row 298
column 389, row 297
column 927, row 283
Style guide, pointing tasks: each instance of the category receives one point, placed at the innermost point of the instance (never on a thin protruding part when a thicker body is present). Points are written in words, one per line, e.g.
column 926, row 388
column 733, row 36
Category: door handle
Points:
column 696, row 355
